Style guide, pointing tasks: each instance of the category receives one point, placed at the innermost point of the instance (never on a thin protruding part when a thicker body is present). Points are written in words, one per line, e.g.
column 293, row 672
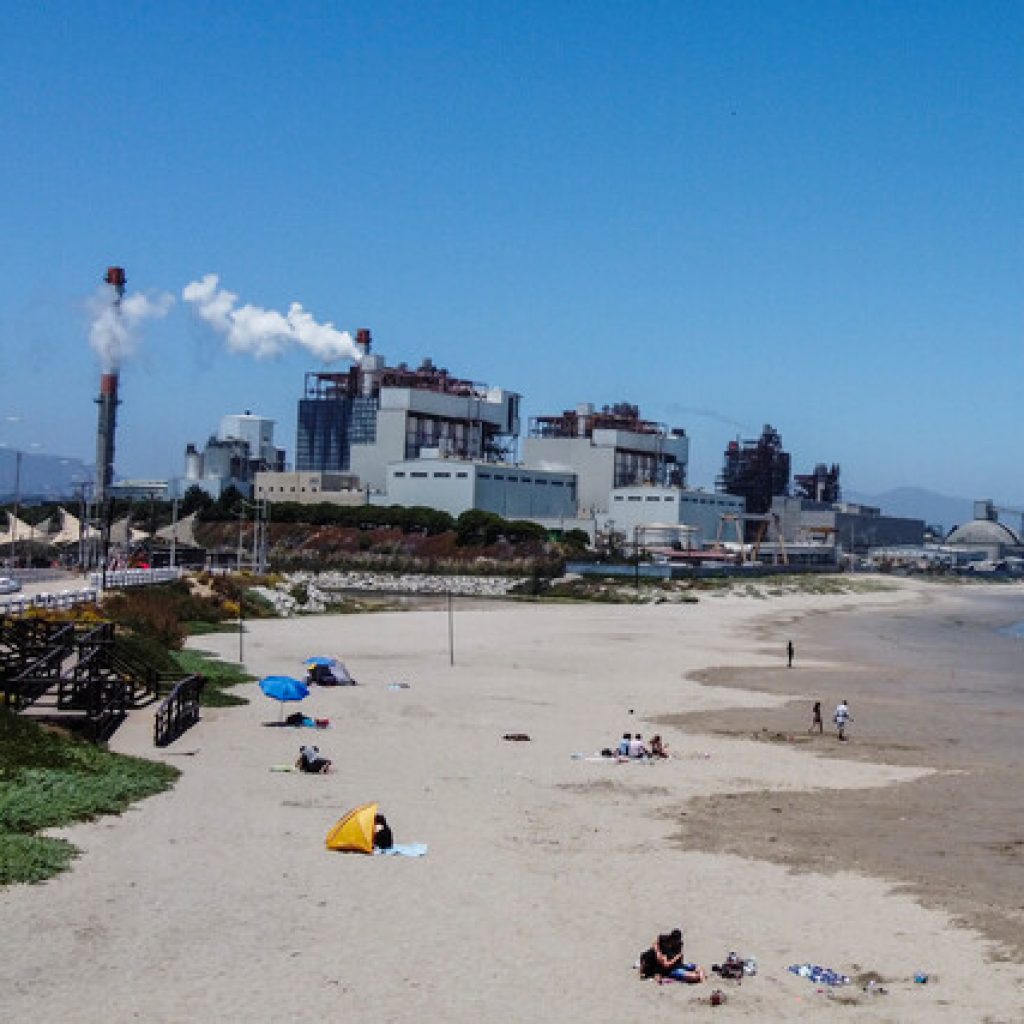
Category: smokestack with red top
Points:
column 107, row 401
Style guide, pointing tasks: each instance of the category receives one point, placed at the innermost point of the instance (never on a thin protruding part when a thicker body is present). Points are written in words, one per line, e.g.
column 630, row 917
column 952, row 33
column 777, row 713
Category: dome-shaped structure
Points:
column 983, row 533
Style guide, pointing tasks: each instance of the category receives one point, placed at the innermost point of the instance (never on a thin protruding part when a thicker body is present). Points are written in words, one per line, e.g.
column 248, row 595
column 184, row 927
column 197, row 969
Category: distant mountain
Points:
column 917, row 503
column 43, row 477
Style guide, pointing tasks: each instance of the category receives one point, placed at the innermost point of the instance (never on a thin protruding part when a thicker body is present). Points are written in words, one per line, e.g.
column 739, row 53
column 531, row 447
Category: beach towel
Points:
column 819, row 975
column 283, row 768
column 405, row 850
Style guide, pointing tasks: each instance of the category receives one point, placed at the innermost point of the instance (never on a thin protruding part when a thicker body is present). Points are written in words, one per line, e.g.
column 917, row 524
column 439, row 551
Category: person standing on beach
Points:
column 842, row 717
column 790, row 650
column 816, row 718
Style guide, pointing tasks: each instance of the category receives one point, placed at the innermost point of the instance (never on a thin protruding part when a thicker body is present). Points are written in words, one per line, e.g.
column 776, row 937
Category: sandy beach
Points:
column 546, row 874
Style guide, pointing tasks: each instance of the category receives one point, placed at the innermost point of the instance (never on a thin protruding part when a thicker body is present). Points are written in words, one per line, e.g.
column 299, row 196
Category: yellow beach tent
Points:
column 354, row 832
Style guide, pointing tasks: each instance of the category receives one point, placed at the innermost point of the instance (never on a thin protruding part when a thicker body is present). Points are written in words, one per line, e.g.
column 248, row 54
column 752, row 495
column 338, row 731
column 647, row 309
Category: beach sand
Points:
column 546, row 875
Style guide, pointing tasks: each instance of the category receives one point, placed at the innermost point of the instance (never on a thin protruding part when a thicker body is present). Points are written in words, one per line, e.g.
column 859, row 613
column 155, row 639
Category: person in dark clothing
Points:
column 312, row 761
column 816, row 722
column 382, row 837
column 790, row 651
column 665, row 960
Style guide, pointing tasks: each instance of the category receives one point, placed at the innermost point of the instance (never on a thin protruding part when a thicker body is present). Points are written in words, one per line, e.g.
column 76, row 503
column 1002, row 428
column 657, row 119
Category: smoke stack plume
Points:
column 264, row 333
column 116, row 321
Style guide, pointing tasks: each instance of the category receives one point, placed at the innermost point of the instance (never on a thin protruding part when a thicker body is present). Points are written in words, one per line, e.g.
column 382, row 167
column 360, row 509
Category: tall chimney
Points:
column 107, row 401
column 363, row 340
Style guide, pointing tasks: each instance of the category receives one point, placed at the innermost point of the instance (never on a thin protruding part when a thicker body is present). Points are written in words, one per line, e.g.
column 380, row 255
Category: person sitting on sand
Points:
column 664, row 960
column 382, row 837
column 311, row 760
column 658, row 747
column 623, row 750
column 637, row 748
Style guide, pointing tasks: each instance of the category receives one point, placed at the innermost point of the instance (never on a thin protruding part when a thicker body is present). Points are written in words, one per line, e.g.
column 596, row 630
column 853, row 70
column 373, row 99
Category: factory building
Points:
column 853, row 528
column 309, row 488
column 241, row 448
column 634, row 507
column 607, row 449
column 985, row 536
column 458, row 485
column 363, row 420
column 756, row 470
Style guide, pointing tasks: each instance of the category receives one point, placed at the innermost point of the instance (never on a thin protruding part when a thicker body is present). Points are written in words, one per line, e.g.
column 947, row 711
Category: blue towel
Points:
column 405, row 850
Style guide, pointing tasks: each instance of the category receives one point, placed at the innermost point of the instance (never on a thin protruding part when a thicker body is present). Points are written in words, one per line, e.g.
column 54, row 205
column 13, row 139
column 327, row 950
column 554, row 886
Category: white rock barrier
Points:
column 415, row 583
column 323, row 589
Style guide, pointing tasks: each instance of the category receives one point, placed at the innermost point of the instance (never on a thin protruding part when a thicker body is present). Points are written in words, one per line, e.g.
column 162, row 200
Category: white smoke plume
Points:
column 114, row 329
column 265, row 332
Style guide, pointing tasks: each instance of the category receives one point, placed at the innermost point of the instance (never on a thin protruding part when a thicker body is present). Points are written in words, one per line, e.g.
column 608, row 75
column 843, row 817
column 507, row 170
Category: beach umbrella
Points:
column 284, row 688
column 319, row 659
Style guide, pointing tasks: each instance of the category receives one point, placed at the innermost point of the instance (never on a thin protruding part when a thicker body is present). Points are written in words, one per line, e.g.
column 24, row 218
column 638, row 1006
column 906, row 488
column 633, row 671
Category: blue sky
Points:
column 729, row 213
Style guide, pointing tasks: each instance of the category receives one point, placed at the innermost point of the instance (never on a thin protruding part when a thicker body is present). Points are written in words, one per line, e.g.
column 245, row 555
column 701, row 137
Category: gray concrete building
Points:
column 607, row 449
column 852, row 528
column 371, row 416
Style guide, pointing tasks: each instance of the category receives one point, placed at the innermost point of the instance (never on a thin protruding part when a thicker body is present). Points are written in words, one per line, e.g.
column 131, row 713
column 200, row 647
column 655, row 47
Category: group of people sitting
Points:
column 632, row 745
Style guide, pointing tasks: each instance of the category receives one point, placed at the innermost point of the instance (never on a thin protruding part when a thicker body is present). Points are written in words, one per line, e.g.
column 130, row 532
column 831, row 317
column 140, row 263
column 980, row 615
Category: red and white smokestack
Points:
column 106, row 424
column 363, row 341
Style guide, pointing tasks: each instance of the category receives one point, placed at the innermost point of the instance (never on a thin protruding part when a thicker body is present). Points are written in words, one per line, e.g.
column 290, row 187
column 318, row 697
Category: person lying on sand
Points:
column 311, row 760
column 664, row 961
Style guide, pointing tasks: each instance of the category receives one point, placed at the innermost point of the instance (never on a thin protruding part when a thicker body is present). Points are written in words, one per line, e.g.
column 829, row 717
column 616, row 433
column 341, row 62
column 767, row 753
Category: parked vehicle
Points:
column 8, row 585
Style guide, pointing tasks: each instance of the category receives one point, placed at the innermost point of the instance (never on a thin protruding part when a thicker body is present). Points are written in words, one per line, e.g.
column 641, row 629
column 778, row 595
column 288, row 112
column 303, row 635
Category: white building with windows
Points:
column 457, row 485
column 309, row 488
column 632, row 507
column 608, row 449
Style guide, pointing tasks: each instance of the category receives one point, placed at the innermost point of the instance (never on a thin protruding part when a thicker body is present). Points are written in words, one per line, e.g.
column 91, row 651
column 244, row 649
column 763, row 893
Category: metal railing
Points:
column 178, row 711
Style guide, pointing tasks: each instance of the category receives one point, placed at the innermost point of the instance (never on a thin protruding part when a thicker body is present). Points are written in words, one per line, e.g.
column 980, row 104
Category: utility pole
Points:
column 238, row 560
column 174, row 531
column 451, row 630
column 17, row 505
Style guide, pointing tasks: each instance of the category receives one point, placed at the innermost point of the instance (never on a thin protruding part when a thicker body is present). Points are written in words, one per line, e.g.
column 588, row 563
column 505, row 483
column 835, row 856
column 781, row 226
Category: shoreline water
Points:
column 536, row 860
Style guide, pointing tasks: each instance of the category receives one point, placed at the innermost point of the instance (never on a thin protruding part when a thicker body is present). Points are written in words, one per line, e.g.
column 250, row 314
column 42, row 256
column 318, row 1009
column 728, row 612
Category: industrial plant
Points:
column 392, row 434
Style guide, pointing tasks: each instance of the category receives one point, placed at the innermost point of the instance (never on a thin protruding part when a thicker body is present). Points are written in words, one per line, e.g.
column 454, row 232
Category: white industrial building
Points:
column 242, row 447
column 606, row 450
column 458, row 485
column 372, row 416
column 634, row 507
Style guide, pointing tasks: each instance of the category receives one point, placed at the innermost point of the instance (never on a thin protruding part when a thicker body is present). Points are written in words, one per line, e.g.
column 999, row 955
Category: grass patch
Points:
column 220, row 677
column 197, row 627
column 48, row 779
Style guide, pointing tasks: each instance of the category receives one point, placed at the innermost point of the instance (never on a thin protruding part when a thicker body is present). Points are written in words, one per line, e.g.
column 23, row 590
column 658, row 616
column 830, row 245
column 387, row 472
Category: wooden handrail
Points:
column 178, row 711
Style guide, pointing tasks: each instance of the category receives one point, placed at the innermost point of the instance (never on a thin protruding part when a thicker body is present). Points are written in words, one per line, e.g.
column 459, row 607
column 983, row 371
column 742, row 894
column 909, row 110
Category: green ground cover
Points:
column 49, row 779
column 220, row 677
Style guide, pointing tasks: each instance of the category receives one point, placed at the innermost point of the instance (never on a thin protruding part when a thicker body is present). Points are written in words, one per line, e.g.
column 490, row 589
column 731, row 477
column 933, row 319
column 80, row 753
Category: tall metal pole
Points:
column 17, row 505
column 174, row 531
column 636, row 558
column 451, row 631
column 241, row 523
